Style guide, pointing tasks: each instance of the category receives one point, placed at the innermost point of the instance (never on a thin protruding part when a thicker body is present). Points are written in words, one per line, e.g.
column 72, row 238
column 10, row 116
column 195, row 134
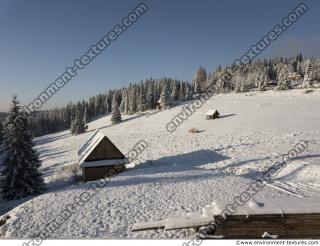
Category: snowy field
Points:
column 180, row 172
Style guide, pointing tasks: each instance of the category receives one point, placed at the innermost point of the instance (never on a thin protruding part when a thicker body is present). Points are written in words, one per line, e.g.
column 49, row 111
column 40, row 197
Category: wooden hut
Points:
column 99, row 158
column 294, row 76
column 212, row 114
column 160, row 104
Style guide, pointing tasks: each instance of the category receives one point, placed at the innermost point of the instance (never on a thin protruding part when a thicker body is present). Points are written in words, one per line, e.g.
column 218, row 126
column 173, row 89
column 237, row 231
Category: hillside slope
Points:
column 179, row 172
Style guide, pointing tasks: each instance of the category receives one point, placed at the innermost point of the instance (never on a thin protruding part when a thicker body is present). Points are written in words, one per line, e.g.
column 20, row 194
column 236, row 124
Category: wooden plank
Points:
column 265, row 216
column 105, row 150
column 285, row 226
column 143, row 226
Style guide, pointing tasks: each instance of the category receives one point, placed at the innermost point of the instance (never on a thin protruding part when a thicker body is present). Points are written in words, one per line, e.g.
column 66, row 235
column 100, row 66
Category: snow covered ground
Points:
column 180, row 172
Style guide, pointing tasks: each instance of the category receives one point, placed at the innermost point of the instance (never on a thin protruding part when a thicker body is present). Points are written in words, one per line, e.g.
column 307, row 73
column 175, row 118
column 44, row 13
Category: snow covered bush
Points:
column 74, row 171
column 308, row 91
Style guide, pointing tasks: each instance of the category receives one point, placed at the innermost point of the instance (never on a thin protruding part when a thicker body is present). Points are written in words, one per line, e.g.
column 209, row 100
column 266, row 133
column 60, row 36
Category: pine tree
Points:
column 188, row 93
column 165, row 95
column 283, row 80
column 20, row 176
column 1, row 132
column 116, row 115
column 258, row 79
column 174, row 94
column 108, row 100
column 224, row 81
column 126, row 102
column 123, row 101
column 196, row 88
column 132, row 100
column 102, row 109
column 200, row 78
column 150, row 96
column 106, row 104
column 85, row 115
column 263, row 82
column 182, row 91
column 308, row 75
column 72, row 124
column 142, row 99
column 78, row 126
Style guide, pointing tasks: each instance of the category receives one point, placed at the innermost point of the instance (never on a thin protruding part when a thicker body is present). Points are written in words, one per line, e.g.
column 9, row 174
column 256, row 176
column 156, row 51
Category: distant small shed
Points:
column 294, row 76
column 160, row 104
column 100, row 158
column 212, row 114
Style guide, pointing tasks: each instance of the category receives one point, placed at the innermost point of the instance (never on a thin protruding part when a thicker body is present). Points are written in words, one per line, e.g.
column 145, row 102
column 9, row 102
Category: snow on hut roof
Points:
column 90, row 145
column 211, row 111
column 92, row 142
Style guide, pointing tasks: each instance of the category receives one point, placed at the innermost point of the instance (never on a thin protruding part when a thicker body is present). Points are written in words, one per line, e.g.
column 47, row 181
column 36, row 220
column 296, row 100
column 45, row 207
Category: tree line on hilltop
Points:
column 260, row 75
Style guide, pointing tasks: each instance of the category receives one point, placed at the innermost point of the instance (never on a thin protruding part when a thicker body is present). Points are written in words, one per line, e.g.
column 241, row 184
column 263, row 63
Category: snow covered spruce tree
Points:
column 20, row 176
column 283, row 80
column 165, row 95
column 261, row 80
column 142, row 99
column 116, row 115
column 122, row 103
column 188, row 95
column 124, row 107
column 182, row 92
column 174, row 91
column 85, row 115
column 308, row 74
column 73, row 121
column 132, row 100
column 196, row 88
column 199, row 80
column 150, row 96
column 1, row 132
column 263, row 83
column 78, row 126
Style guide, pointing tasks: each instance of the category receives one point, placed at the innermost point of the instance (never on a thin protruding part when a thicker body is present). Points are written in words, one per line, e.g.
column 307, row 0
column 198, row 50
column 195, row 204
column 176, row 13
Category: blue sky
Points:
column 40, row 38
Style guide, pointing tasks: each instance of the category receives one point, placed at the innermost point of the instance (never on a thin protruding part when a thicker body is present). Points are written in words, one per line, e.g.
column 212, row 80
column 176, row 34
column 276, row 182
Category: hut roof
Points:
column 212, row 111
column 159, row 100
column 294, row 74
column 87, row 148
